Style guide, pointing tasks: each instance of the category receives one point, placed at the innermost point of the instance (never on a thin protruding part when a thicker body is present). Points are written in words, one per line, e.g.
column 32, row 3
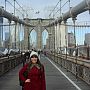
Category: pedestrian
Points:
column 35, row 79
column 23, row 58
column 39, row 52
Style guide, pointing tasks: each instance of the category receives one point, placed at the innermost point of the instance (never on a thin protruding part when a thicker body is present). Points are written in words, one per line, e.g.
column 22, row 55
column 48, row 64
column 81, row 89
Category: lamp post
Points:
column 28, row 41
column 15, row 34
column 50, row 40
column 9, row 38
column 74, row 19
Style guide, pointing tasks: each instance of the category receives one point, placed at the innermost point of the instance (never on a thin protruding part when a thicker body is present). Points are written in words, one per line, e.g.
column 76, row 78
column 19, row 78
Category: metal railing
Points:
column 78, row 66
column 7, row 64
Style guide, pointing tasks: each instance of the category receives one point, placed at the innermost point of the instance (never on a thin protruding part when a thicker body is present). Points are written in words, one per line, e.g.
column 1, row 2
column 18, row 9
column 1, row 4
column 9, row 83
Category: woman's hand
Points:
column 27, row 80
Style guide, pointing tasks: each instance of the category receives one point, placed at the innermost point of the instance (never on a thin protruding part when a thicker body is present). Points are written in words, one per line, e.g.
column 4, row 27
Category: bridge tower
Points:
column 39, row 25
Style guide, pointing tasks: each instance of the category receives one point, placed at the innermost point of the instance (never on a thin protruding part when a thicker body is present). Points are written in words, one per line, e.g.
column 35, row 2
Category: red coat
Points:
column 36, row 76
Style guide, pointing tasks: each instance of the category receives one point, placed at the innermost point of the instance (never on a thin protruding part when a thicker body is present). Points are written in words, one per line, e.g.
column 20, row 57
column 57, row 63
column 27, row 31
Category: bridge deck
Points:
column 55, row 80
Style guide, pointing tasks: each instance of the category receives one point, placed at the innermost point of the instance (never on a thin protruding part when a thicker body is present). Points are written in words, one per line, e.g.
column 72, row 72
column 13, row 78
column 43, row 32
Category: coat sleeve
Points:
column 21, row 73
column 43, row 79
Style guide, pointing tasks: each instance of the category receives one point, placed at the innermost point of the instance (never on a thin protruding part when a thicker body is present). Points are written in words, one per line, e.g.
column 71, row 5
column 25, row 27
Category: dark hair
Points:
column 34, row 56
column 38, row 62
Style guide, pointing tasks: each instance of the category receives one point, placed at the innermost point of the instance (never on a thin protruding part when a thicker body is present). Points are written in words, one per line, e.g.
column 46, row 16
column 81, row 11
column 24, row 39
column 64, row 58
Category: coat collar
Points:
column 36, row 65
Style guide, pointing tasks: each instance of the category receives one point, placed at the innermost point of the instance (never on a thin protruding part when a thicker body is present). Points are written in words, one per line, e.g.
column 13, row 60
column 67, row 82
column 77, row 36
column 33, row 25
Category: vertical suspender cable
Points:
column 19, row 28
column 74, row 31
column 9, row 37
column 14, row 7
column 53, row 40
column 69, row 3
column 59, row 27
column 74, row 19
column 60, row 36
column 60, row 7
column 15, row 34
column 57, row 41
column 66, row 38
column 5, row 5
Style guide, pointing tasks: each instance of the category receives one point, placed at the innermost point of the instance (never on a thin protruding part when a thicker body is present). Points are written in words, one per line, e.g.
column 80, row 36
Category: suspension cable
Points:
column 13, row 6
column 88, row 5
column 74, row 19
column 54, row 8
column 60, row 7
column 19, row 5
column 69, row 3
column 5, row 4
column 9, row 36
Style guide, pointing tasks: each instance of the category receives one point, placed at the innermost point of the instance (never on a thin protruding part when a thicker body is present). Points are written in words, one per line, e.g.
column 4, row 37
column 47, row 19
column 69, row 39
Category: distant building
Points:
column 71, row 40
column 87, row 39
column 6, row 36
column 6, row 39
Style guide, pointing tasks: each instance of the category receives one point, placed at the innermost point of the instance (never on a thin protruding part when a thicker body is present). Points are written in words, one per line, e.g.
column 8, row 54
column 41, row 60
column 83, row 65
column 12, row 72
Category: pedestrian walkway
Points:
column 9, row 81
column 55, row 79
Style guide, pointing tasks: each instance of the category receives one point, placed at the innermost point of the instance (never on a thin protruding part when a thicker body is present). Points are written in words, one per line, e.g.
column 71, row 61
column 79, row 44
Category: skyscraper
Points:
column 71, row 40
column 87, row 38
column 6, row 36
column 6, row 39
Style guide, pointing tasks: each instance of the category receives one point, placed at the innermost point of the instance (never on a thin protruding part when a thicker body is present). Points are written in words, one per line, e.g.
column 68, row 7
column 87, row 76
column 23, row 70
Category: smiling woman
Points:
column 35, row 79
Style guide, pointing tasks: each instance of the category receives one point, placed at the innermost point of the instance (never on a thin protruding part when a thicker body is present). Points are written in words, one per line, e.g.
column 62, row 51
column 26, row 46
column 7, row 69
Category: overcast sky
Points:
column 39, row 8
column 42, row 8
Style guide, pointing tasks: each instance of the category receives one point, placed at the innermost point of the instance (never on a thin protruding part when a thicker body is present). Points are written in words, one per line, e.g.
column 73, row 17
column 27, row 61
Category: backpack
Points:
column 25, row 74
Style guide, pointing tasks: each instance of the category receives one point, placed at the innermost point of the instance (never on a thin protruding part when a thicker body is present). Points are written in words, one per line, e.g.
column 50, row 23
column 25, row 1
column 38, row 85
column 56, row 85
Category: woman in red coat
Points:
column 36, row 76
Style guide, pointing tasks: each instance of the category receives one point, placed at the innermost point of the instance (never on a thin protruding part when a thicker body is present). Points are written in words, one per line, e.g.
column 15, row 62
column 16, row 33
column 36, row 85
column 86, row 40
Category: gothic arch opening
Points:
column 33, row 39
column 44, row 38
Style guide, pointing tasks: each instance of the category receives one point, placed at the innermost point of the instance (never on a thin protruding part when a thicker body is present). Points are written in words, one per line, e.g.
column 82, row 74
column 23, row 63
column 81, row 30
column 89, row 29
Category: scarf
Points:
column 36, row 65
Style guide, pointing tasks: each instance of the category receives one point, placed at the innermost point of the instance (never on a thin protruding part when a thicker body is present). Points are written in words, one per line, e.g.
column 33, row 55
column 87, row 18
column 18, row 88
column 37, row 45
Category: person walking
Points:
column 23, row 58
column 39, row 52
column 35, row 79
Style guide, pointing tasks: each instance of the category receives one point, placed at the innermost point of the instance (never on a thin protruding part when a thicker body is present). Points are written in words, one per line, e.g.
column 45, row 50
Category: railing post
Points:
column 76, row 55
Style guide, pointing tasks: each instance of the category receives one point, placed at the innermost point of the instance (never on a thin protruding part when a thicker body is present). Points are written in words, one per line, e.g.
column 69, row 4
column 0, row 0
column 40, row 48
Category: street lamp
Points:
column 50, row 40
column 74, row 19
column 28, row 41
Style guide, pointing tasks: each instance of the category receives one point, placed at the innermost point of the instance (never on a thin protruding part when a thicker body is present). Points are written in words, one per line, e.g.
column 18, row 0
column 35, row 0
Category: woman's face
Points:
column 34, row 59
